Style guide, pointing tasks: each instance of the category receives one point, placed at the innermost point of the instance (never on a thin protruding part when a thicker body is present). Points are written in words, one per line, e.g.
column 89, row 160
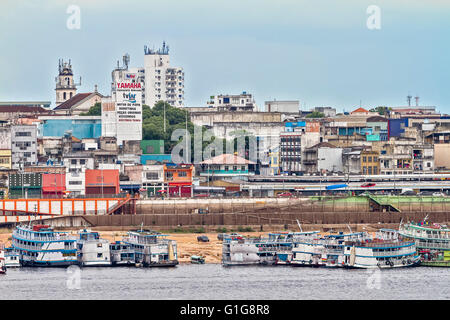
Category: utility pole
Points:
column 164, row 117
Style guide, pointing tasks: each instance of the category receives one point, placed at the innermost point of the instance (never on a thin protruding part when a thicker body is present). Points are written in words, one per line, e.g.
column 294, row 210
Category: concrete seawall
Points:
column 215, row 220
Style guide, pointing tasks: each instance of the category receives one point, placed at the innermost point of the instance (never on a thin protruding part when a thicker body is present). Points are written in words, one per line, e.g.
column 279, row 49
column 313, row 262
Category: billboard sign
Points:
column 129, row 111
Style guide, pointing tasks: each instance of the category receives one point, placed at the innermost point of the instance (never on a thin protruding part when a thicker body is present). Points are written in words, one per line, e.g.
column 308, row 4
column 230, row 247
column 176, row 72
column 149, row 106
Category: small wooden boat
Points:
column 197, row 259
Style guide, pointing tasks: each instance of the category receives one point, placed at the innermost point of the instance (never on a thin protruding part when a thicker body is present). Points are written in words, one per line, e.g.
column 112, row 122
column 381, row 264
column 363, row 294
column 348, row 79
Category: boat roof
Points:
column 344, row 235
column 429, row 227
column 42, row 230
column 147, row 233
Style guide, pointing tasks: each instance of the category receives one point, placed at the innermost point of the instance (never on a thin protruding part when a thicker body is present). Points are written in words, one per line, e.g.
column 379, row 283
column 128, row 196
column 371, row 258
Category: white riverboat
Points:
column 385, row 250
column 432, row 242
column 41, row 246
column 92, row 250
column 307, row 251
column 333, row 247
column 121, row 254
column 12, row 258
column 152, row 249
column 238, row 251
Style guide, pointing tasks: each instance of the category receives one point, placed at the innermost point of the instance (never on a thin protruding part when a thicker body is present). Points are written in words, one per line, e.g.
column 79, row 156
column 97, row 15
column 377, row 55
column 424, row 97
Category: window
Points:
column 226, row 168
column 182, row 174
column 82, row 161
column 151, row 175
column 73, row 161
column 375, row 159
column 75, row 182
column 243, row 168
column 234, row 168
column 364, row 159
column 369, row 159
column 23, row 134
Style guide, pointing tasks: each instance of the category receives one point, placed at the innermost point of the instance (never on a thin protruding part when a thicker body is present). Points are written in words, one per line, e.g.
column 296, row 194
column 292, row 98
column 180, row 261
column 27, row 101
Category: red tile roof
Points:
column 23, row 109
column 359, row 110
column 73, row 101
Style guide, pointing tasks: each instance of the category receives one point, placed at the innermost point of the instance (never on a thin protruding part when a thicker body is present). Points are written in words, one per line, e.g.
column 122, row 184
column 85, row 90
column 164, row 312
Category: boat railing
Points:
column 433, row 245
column 384, row 244
column 412, row 234
column 394, row 253
column 51, row 237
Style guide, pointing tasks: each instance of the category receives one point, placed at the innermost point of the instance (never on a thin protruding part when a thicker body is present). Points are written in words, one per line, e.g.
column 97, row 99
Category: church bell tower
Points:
column 66, row 88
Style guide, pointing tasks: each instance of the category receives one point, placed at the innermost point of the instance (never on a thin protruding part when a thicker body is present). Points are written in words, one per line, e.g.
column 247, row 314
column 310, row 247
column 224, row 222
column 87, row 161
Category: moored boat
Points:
column 197, row 259
column 40, row 245
column 385, row 250
column 432, row 242
column 92, row 250
column 11, row 258
column 152, row 249
column 121, row 254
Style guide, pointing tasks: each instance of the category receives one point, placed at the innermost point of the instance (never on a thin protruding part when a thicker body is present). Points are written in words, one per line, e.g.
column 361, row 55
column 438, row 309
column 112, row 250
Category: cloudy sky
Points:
column 319, row 52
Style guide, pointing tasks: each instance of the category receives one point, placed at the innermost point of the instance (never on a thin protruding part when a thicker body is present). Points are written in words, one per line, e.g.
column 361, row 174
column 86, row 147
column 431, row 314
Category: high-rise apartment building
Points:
column 162, row 82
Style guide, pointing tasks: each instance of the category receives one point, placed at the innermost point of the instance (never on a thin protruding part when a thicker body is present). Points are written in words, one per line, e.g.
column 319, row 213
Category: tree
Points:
column 315, row 114
column 381, row 110
column 95, row 110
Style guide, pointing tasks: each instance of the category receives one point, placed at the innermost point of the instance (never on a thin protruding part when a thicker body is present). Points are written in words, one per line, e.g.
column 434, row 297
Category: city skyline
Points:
column 322, row 55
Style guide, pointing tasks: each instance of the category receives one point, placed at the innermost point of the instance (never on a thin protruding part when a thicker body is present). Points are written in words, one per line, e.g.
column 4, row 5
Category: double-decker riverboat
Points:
column 40, row 245
column 385, row 250
column 239, row 251
column 432, row 242
column 92, row 250
column 152, row 249
column 121, row 254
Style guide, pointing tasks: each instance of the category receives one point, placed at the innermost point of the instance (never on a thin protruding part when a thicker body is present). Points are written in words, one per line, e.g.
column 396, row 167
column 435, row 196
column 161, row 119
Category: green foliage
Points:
column 245, row 229
column 153, row 123
column 222, row 230
column 95, row 110
column 381, row 110
column 315, row 114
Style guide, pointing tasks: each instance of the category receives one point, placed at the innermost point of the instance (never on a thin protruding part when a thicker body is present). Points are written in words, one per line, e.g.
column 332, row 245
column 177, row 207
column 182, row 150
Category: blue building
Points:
column 81, row 127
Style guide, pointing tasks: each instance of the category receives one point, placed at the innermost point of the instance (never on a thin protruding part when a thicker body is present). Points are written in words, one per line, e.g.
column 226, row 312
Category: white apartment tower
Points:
column 162, row 82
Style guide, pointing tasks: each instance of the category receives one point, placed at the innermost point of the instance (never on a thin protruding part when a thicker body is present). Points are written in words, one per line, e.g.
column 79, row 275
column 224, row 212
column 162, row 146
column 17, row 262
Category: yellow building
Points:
column 370, row 162
column 5, row 158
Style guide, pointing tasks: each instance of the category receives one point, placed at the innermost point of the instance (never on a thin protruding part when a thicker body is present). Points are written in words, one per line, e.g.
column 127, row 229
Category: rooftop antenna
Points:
column 417, row 100
column 299, row 225
column 126, row 60
column 408, row 99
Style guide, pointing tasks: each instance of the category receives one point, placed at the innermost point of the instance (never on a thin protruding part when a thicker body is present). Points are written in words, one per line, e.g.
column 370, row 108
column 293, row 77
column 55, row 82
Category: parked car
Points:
column 220, row 236
column 202, row 239
column 438, row 194
column 368, row 185
column 408, row 193
column 285, row 194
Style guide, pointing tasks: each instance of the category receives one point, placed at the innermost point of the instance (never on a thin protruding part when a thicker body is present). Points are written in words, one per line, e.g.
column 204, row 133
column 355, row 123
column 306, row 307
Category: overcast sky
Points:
column 317, row 51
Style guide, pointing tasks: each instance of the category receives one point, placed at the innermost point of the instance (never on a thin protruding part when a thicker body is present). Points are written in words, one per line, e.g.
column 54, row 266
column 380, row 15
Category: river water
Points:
column 212, row 281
